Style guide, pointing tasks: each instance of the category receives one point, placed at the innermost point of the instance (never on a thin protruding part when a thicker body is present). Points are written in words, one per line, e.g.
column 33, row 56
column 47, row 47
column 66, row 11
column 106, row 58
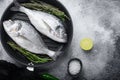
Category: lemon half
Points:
column 86, row 44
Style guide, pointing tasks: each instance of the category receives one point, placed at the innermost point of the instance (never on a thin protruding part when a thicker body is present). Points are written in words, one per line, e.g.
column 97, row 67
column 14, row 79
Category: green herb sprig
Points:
column 30, row 56
column 41, row 6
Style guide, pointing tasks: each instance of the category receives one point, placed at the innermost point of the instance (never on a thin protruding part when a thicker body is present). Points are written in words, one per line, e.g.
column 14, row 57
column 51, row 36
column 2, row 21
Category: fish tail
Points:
column 55, row 54
column 52, row 54
column 16, row 7
column 16, row 3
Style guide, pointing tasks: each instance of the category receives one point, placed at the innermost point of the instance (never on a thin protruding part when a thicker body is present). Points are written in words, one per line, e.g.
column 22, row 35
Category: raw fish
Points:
column 27, row 37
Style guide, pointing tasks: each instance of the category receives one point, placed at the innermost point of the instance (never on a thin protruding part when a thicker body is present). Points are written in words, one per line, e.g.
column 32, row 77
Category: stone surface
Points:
column 99, row 20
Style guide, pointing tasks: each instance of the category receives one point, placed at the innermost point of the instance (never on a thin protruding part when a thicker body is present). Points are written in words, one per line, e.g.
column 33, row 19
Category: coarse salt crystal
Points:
column 74, row 67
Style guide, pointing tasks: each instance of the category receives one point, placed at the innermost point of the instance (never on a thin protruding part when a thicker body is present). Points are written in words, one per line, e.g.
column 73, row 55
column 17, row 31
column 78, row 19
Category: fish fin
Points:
column 24, row 37
column 57, row 27
column 16, row 7
column 17, row 4
column 48, row 26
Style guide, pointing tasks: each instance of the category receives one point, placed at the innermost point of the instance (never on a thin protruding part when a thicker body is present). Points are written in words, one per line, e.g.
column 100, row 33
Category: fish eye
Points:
column 11, row 22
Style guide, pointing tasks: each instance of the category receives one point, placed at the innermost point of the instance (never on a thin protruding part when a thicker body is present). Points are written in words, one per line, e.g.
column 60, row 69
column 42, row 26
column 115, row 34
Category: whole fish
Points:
column 46, row 23
column 27, row 37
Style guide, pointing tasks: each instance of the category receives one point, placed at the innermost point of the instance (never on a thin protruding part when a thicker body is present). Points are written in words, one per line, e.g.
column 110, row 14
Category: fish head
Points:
column 57, row 32
column 12, row 27
column 60, row 33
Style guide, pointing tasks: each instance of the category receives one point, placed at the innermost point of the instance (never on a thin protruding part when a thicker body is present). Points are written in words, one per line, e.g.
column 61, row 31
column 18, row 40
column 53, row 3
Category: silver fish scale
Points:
column 50, row 43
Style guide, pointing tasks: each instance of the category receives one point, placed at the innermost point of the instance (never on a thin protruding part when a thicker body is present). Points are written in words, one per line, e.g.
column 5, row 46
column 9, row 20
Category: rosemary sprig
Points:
column 30, row 56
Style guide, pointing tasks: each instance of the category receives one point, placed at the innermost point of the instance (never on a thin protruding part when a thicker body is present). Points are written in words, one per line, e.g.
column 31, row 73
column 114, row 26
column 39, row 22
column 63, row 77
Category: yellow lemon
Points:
column 86, row 44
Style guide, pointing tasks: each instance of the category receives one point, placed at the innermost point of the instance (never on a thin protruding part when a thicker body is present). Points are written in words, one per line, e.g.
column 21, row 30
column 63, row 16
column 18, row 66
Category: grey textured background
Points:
column 98, row 20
